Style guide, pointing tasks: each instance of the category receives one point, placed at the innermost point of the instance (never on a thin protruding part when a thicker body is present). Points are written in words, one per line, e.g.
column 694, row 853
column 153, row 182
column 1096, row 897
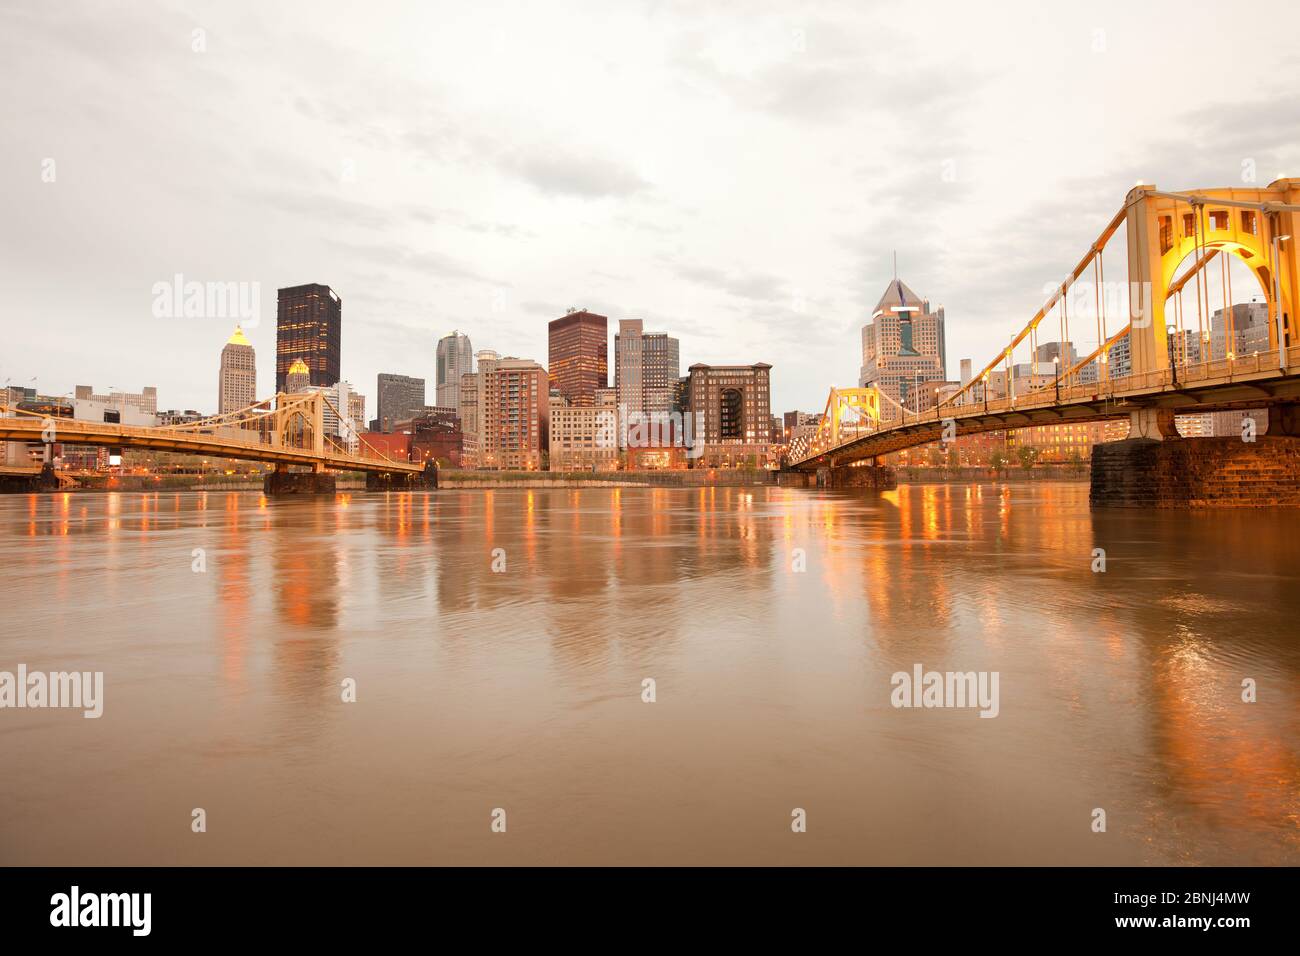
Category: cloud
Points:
column 567, row 173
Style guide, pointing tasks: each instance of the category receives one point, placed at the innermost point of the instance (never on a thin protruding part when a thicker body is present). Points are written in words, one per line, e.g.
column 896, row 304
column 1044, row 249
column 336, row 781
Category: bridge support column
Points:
column 401, row 481
column 1198, row 472
column 45, row 480
column 1284, row 419
column 282, row 482
column 880, row 477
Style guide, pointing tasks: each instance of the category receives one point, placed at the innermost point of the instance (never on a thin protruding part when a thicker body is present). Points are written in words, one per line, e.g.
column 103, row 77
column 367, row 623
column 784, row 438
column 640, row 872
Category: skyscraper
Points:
column 455, row 357
column 579, row 355
column 297, row 378
column 308, row 326
column 646, row 368
column 902, row 349
column 400, row 397
column 237, row 380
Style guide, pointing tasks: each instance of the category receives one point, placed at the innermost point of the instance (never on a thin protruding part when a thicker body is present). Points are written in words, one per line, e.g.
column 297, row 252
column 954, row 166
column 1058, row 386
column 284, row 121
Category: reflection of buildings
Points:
column 733, row 416
column 903, row 348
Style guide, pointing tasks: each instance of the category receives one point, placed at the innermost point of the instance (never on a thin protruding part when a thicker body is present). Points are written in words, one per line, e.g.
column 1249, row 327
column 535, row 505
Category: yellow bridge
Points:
column 288, row 430
column 1163, row 230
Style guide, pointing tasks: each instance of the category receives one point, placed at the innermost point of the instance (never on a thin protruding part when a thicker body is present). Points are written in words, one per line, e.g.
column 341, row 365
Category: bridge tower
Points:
column 1259, row 226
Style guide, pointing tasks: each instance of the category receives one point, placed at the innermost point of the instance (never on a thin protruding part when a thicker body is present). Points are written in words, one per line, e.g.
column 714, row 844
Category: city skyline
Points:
column 422, row 237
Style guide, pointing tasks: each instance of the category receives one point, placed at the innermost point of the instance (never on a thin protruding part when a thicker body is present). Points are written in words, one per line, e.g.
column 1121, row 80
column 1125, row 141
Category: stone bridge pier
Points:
column 403, row 481
column 866, row 475
column 282, row 482
column 1157, row 468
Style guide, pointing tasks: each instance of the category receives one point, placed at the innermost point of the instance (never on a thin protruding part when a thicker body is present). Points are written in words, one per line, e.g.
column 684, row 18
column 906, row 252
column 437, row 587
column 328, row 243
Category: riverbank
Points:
column 691, row 478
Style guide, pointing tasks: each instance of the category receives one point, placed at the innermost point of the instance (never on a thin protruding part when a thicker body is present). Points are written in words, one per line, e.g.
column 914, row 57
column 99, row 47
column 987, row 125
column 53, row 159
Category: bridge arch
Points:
column 1254, row 226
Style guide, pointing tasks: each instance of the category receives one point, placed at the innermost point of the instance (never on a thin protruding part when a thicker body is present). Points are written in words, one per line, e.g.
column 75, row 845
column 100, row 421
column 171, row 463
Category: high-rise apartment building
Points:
column 237, row 379
column 733, row 414
column 514, row 397
column 308, row 326
column 902, row 348
column 646, row 368
column 400, row 397
column 578, row 355
column 455, row 357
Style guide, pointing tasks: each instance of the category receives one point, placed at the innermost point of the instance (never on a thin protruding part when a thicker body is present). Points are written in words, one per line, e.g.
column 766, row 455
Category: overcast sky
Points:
column 735, row 174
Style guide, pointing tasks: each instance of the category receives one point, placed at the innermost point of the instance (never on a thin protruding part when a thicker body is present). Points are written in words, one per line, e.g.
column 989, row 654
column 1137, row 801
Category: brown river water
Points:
column 499, row 641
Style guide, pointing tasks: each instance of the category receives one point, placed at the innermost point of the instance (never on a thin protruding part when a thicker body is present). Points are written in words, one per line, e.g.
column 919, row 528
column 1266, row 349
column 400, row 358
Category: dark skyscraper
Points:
column 308, row 326
column 579, row 356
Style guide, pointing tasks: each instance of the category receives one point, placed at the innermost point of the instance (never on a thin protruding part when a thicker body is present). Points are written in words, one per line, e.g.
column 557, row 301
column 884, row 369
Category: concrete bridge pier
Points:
column 869, row 474
column 283, row 482
column 1156, row 468
column 403, row 481
column 44, row 480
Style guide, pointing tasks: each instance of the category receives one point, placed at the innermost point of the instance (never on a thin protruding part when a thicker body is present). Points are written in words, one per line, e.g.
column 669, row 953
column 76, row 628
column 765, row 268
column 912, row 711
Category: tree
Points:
column 954, row 459
column 998, row 461
column 1027, row 454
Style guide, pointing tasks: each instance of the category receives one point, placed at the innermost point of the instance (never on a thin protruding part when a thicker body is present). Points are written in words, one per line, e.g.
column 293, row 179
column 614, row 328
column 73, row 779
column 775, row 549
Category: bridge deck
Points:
column 1224, row 384
column 104, row 435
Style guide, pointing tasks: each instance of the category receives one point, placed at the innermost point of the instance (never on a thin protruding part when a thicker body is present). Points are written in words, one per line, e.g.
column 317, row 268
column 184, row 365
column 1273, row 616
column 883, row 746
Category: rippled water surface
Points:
column 522, row 688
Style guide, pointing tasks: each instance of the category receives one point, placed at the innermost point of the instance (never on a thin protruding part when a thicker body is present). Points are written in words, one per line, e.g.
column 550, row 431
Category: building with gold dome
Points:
column 237, row 381
column 298, row 378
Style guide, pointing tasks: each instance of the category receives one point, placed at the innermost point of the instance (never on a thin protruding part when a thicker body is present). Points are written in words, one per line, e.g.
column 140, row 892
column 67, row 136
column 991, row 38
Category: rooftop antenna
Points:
column 895, row 265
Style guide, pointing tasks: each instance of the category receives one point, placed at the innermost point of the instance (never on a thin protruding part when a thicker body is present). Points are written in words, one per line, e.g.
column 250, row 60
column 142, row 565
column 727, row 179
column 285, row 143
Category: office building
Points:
column 733, row 415
column 400, row 397
column 308, row 328
column 237, row 379
column 578, row 355
column 455, row 357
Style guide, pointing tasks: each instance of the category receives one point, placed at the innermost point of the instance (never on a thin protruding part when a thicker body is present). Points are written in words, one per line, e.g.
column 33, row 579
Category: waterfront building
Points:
column 732, row 414
column 584, row 437
column 514, row 399
column 308, row 328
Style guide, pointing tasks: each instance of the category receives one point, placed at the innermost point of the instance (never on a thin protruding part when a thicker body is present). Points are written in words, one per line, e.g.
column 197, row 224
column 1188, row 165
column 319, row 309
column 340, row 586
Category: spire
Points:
column 238, row 338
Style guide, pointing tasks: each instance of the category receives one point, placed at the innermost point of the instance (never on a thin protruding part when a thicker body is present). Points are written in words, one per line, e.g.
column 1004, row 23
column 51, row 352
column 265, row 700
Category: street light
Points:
column 1056, row 376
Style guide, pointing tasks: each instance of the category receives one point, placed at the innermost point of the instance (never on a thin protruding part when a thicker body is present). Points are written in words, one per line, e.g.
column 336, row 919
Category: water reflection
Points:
column 500, row 639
